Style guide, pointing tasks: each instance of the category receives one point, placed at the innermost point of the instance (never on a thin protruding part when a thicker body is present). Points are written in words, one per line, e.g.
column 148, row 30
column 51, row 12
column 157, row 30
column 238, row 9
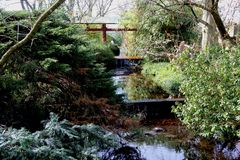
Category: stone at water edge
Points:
column 154, row 131
column 150, row 133
column 158, row 129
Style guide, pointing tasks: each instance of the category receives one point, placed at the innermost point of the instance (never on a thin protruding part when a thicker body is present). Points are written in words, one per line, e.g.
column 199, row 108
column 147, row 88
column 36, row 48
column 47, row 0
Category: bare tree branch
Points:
column 198, row 5
column 165, row 7
column 28, row 5
column 212, row 9
column 22, row 4
column 103, row 7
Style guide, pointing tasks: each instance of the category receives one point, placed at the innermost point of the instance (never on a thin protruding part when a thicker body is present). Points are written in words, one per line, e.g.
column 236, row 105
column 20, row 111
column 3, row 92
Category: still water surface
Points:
column 159, row 150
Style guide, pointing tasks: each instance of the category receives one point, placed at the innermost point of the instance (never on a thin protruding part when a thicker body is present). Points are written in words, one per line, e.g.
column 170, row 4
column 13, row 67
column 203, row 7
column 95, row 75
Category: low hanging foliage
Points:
column 211, row 87
column 59, row 140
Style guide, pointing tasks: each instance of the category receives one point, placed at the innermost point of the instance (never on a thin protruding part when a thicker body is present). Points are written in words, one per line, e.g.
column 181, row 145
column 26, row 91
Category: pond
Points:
column 173, row 142
column 159, row 152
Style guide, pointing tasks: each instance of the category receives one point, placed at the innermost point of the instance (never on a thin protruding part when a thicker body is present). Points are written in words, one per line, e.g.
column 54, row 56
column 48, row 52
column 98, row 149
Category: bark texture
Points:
column 209, row 34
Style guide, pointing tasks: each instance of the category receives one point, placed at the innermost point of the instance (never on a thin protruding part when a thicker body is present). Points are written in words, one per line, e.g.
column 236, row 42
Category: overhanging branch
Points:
column 165, row 7
column 198, row 6
column 29, row 36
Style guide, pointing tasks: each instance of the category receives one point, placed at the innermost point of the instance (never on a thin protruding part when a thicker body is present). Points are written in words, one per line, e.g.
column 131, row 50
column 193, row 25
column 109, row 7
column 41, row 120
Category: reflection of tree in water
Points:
column 203, row 149
column 193, row 153
column 183, row 142
column 123, row 153
column 138, row 87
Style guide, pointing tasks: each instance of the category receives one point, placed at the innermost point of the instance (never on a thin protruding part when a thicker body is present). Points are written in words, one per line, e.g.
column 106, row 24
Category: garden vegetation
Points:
column 211, row 88
column 60, row 70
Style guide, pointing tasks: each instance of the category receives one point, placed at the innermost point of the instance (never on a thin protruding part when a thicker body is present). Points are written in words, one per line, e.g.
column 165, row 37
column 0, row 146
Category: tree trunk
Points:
column 209, row 33
column 29, row 36
column 224, row 35
column 212, row 17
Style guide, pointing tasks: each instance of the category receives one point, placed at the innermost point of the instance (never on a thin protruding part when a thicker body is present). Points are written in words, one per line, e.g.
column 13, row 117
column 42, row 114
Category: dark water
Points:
column 187, row 150
column 172, row 144
column 169, row 146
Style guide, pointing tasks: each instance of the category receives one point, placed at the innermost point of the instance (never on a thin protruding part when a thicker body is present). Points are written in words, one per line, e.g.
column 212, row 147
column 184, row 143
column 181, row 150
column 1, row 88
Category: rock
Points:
column 124, row 134
column 154, row 131
column 150, row 133
column 158, row 129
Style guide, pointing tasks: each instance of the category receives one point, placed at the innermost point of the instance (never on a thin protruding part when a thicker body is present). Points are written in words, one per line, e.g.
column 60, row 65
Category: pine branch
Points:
column 29, row 36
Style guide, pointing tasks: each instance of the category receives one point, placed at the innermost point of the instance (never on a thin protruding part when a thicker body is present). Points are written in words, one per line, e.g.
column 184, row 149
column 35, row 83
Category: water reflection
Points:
column 174, row 145
column 177, row 143
column 137, row 87
column 159, row 152
column 119, row 81
column 185, row 151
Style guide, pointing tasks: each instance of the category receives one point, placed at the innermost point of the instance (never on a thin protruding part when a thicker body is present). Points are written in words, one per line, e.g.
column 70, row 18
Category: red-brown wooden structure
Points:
column 104, row 29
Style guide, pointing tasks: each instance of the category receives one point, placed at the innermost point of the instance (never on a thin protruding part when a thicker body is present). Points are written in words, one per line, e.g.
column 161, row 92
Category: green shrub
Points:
column 104, row 55
column 59, row 140
column 164, row 75
column 211, row 87
column 143, row 88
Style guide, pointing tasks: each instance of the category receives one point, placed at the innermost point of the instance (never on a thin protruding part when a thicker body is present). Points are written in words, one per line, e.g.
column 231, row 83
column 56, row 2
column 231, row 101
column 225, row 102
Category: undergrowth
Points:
column 59, row 140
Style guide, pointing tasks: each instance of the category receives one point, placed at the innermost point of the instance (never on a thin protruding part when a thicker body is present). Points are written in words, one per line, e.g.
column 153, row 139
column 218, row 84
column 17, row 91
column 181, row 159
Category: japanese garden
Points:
column 119, row 79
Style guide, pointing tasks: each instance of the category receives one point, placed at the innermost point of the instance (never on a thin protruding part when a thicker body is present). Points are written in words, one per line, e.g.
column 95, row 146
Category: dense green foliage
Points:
column 164, row 76
column 141, row 87
column 211, row 87
column 59, row 140
column 60, row 70
column 161, row 32
column 157, row 80
column 129, row 19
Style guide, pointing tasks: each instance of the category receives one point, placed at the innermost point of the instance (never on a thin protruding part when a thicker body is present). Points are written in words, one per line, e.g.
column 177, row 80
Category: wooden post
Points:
column 104, row 33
